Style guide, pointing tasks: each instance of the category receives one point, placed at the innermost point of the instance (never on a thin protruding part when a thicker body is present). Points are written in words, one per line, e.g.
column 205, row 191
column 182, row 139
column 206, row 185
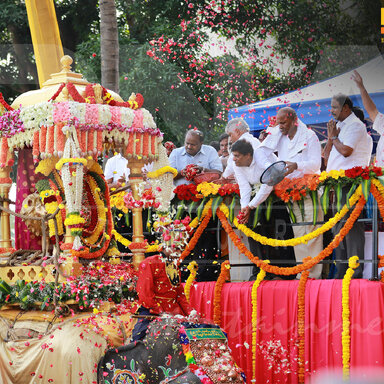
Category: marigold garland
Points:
column 224, row 275
column 161, row 171
column 122, row 240
column 346, row 314
column 260, row 277
column 377, row 191
column 299, row 240
column 299, row 268
column 301, row 322
column 192, row 268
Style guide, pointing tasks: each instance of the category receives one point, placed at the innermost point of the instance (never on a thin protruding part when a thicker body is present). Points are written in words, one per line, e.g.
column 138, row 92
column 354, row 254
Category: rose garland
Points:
column 346, row 314
column 224, row 275
column 161, row 171
column 196, row 235
column 299, row 240
column 301, row 322
column 4, row 103
column 99, row 249
column 299, row 268
column 260, row 277
column 192, row 268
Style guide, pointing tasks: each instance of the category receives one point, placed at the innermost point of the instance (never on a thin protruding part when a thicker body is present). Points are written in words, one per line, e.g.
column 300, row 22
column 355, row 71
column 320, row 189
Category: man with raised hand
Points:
column 376, row 117
column 348, row 146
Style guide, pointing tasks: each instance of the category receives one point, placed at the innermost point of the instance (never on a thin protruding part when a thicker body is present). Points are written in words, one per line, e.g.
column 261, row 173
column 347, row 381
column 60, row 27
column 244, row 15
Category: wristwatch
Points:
column 334, row 137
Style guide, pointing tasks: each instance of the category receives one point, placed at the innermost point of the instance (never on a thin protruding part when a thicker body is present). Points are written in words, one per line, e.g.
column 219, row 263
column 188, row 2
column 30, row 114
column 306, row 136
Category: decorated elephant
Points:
column 173, row 351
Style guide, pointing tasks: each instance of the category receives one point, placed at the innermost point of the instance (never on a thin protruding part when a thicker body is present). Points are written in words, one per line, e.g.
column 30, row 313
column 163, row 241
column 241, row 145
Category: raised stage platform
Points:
column 276, row 355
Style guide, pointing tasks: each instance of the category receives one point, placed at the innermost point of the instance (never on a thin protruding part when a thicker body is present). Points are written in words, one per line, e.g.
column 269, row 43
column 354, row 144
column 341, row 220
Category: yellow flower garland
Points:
column 299, row 240
column 260, row 277
column 122, row 240
column 192, row 267
column 63, row 161
column 378, row 185
column 346, row 314
column 46, row 166
column 161, row 171
column 74, row 219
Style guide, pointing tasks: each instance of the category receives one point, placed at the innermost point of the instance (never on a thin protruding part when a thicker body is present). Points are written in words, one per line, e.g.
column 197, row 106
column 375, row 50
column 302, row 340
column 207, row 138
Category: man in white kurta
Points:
column 376, row 116
column 300, row 148
column 348, row 146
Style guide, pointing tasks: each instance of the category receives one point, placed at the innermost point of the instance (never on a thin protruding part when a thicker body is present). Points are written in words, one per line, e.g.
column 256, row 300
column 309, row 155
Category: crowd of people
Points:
column 239, row 157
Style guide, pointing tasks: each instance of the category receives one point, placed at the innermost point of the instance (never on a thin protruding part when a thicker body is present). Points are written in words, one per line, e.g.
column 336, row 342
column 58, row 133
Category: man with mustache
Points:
column 348, row 146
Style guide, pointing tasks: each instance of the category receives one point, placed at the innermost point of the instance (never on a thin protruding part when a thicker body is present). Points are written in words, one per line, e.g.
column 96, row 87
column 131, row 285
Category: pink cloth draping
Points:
column 25, row 185
column 277, row 325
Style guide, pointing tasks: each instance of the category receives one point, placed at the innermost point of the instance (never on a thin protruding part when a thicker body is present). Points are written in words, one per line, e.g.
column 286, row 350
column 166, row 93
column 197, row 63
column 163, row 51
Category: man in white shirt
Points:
column 237, row 129
column 376, row 116
column 300, row 148
column 249, row 164
column 195, row 152
column 116, row 172
column 348, row 146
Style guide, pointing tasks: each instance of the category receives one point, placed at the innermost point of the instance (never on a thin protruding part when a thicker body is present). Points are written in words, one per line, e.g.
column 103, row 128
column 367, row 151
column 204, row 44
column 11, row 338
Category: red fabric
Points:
column 277, row 322
column 155, row 290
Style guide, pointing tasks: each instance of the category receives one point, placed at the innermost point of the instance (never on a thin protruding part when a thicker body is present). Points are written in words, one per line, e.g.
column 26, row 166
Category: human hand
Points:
column 243, row 215
column 190, row 171
column 332, row 129
column 290, row 167
column 194, row 316
column 357, row 79
column 122, row 180
column 144, row 173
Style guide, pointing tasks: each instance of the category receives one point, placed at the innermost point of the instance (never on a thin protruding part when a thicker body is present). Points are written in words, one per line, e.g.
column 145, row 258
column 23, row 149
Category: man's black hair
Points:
column 223, row 136
column 359, row 113
column 215, row 144
column 242, row 146
column 196, row 132
column 343, row 100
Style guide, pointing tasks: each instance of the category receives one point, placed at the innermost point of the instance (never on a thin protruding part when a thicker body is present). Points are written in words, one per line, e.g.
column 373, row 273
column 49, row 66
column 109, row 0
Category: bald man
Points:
column 300, row 148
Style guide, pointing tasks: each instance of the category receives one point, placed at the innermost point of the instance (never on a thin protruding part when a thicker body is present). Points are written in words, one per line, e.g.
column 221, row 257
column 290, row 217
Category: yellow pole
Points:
column 45, row 37
column 135, row 178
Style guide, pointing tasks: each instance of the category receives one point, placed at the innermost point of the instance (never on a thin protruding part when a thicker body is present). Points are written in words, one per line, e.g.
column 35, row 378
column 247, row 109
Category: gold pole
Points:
column 5, row 241
column 45, row 37
column 135, row 178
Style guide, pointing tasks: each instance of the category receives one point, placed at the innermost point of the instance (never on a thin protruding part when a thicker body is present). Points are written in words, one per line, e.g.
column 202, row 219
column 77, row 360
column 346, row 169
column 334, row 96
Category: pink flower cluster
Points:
column 10, row 123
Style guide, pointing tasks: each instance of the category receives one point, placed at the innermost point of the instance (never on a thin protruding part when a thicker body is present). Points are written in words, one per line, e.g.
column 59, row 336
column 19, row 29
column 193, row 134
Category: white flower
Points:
column 127, row 116
column 148, row 121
